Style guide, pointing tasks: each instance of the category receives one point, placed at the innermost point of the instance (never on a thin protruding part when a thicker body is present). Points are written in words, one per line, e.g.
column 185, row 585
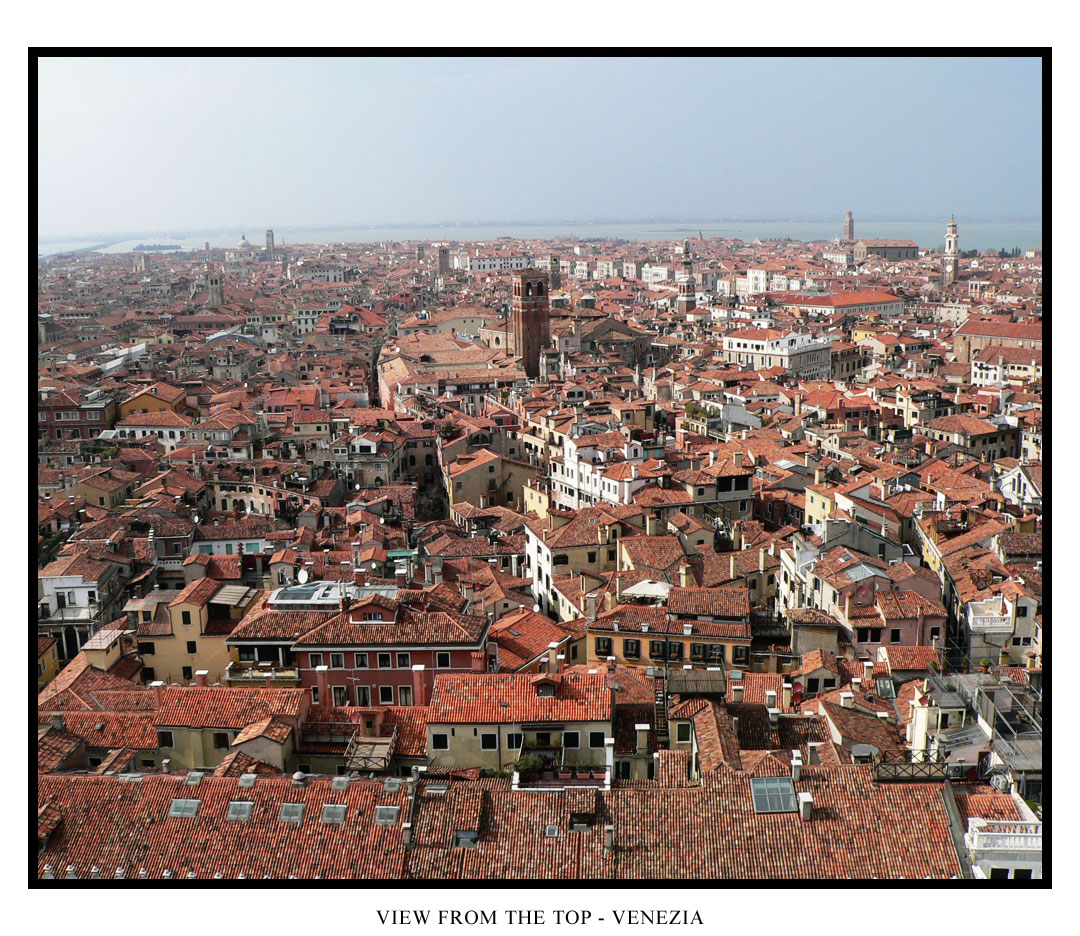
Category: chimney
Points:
column 685, row 577
column 360, row 576
column 650, row 525
column 847, row 606
column 419, row 687
column 553, row 657
column 796, row 764
column 786, row 696
column 590, row 605
column 868, row 670
column 642, row 731
column 735, row 724
column 298, row 778
column 819, row 475
column 57, row 721
column 477, row 661
column 321, row 680
column 737, row 692
column 761, row 559
column 770, row 698
column 166, row 765
column 847, row 700
column 159, row 692
column 738, row 459
column 401, row 578
column 774, row 717
column 406, row 834
column 609, row 839
column 202, row 677
column 609, row 602
column 618, row 588
column 732, row 572
column 806, row 806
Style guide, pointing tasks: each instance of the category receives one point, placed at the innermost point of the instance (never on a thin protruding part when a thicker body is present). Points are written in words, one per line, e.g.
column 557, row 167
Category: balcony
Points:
column 251, row 676
column 990, row 623
column 985, row 835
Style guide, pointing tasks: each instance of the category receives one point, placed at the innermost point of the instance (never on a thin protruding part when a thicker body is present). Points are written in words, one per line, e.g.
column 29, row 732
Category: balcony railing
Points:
column 990, row 835
column 235, row 674
column 990, row 623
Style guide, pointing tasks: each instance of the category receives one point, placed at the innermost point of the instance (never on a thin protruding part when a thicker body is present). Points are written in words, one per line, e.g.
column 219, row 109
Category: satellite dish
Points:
column 536, row 608
column 195, row 519
column 301, row 576
column 356, row 487
column 382, row 520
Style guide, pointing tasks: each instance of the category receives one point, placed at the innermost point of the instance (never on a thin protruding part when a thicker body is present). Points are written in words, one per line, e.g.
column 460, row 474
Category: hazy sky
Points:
column 158, row 144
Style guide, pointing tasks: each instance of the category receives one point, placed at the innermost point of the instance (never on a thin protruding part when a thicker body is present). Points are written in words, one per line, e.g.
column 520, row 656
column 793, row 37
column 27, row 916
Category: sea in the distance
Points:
column 974, row 235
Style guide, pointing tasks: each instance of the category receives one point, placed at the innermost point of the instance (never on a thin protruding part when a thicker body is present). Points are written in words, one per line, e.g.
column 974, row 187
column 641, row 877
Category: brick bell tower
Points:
column 530, row 319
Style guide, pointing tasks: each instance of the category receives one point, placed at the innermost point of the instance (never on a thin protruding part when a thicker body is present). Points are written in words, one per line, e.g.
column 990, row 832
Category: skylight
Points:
column 291, row 812
column 239, row 810
column 334, row 813
column 187, row 808
column 552, row 831
column 773, row 795
column 466, row 839
column 387, row 815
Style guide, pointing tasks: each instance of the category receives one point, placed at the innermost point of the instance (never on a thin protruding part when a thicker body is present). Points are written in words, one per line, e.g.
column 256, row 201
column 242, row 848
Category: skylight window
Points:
column 466, row 839
column 773, row 795
column 334, row 813
column 387, row 815
column 239, row 810
column 552, row 831
column 186, row 808
column 291, row 812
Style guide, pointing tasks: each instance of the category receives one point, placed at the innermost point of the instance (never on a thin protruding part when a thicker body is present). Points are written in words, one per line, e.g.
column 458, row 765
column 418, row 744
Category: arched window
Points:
column 539, row 289
column 528, row 289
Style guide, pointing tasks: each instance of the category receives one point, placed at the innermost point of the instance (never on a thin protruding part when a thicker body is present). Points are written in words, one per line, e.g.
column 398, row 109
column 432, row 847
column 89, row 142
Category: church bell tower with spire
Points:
column 952, row 254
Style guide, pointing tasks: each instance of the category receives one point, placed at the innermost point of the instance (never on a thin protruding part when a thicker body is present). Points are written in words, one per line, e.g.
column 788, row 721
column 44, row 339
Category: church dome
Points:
column 243, row 241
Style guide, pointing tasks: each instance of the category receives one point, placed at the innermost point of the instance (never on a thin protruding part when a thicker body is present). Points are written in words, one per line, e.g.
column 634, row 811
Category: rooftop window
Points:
column 334, row 813
column 186, row 808
column 773, row 795
column 239, row 810
column 291, row 812
column 466, row 839
column 387, row 815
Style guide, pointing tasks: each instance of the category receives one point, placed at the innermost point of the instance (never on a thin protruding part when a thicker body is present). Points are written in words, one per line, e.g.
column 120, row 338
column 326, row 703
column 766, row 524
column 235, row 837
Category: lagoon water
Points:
column 975, row 235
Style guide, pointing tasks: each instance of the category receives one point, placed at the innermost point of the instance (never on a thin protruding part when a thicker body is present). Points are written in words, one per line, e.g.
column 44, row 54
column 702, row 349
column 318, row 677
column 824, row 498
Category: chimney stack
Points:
column 166, row 765
column 642, row 731
column 774, row 717
column 738, row 459
column 770, row 698
column 868, row 670
column 590, row 606
column 685, row 576
column 737, row 692
column 419, row 685
column 159, row 692
column 477, row 661
column 321, row 680
column 731, row 567
column 786, row 696
column 819, row 475
column 761, row 559
column 847, row 700
column 609, row 839
column 553, row 657
column 202, row 677
column 57, row 721
column 298, row 778
column 806, row 806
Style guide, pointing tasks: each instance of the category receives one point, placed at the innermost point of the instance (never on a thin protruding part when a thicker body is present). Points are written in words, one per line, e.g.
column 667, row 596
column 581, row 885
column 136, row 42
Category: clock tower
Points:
column 952, row 254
